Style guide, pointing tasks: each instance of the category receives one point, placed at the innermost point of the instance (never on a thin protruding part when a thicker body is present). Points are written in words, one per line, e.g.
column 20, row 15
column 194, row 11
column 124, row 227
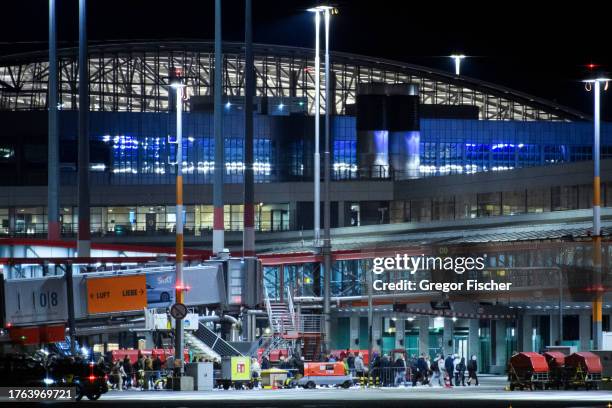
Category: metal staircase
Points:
column 291, row 329
column 200, row 347
column 215, row 343
column 282, row 317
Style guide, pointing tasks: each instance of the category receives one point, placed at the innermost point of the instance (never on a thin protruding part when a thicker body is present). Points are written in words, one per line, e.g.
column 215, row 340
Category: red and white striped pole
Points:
column 179, row 284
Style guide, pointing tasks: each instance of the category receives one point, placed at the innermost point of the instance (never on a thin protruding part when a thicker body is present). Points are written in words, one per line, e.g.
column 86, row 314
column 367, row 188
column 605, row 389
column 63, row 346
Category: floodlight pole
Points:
column 53, row 223
column 218, row 221
column 248, row 232
column 317, row 157
column 84, row 234
column 179, row 284
column 327, row 261
column 598, row 300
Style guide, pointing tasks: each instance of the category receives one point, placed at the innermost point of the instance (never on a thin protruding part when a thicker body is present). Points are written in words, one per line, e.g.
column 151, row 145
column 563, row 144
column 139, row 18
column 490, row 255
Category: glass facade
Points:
column 198, row 218
column 138, row 148
column 141, row 220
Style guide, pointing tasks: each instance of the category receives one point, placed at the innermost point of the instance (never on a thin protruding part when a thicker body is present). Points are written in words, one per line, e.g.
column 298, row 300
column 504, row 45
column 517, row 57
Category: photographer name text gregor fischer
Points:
column 426, row 285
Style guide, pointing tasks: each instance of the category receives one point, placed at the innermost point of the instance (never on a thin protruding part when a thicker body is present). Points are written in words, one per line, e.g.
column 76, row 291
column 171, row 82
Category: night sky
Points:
column 538, row 50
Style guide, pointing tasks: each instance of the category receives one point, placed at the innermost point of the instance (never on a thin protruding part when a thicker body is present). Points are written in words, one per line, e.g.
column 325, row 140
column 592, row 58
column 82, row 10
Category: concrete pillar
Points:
column 12, row 221
column 340, row 214
column 585, row 331
column 354, row 333
column 376, row 333
column 447, row 339
column 149, row 342
column 526, row 333
column 554, row 330
column 473, row 338
column 292, row 216
column 500, row 346
column 400, row 331
column 423, row 334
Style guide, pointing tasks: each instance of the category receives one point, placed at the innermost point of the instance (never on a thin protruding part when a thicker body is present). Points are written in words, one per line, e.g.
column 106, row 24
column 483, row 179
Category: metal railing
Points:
column 310, row 323
column 291, row 307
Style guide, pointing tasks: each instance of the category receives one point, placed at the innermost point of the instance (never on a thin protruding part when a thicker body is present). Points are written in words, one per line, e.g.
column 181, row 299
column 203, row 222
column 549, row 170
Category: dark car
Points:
column 88, row 379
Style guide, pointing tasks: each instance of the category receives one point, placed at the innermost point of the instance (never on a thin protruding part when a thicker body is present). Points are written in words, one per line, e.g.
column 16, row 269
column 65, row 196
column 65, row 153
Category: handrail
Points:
column 291, row 307
column 269, row 308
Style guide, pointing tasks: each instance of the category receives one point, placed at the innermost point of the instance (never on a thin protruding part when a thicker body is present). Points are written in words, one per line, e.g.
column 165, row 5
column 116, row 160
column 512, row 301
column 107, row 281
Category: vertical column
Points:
column 473, row 337
column 354, row 332
column 598, row 294
column 218, row 222
column 447, row 337
column 526, row 333
column 53, row 226
column 179, row 284
column 340, row 214
column 248, row 238
column 554, row 339
column 12, row 221
column 326, row 203
column 584, row 331
column 317, row 157
column 376, row 333
column 70, row 304
column 400, row 332
column 500, row 345
column 84, row 235
column 424, row 334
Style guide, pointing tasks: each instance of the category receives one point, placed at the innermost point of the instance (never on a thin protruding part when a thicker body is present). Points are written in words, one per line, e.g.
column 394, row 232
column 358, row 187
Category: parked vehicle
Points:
column 332, row 374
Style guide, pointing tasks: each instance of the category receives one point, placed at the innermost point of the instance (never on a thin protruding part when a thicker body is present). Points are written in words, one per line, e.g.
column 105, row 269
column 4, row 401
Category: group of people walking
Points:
column 446, row 371
column 143, row 373
column 450, row 371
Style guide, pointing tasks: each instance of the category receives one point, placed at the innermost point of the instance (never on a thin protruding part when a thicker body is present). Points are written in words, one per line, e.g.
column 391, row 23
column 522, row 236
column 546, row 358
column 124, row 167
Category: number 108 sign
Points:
column 35, row 300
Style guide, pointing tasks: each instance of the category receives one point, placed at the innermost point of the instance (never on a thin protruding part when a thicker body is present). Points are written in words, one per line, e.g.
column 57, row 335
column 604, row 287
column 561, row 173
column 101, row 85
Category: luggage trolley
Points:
column 528, row 370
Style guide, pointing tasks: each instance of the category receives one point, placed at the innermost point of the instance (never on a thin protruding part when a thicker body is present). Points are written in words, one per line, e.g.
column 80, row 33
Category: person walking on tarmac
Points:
column 375, row 367
column 359, row 366
column 386, row 368
column 449, row 366
column 472, row 367
column 436, row 371
column 350, row 362
column 265, row 363
column 460, row 377
column 400, row 370
column 456, row 361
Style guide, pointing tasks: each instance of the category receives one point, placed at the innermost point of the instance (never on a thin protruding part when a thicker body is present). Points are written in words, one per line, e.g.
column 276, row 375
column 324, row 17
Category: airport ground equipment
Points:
column 528, row 370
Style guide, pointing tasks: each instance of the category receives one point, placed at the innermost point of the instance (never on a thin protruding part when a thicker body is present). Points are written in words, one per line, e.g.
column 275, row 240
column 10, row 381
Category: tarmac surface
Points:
column 491, row 393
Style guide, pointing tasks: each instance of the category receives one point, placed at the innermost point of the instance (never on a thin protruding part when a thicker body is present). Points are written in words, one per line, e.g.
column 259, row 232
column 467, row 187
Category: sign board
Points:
column 160, row 289
column 190, row 322
column 241, row 368
column 116, row 294
column 178, row 311
column 29, row 301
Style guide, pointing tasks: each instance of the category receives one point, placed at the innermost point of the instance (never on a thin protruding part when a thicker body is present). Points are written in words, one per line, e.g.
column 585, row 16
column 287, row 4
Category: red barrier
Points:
column 133, row 354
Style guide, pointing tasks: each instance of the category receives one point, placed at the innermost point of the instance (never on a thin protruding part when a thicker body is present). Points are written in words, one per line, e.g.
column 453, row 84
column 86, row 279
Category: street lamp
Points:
column 457, row 58
column 317, row 157
column 595, row 85
column 326, row 247
column 179, row 284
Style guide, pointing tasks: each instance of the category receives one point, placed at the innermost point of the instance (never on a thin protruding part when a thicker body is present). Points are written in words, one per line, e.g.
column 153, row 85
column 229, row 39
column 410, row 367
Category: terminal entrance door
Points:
column 461, row 346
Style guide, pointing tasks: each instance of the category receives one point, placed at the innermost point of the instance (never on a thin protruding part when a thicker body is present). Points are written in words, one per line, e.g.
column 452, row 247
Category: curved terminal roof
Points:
column 134, row 76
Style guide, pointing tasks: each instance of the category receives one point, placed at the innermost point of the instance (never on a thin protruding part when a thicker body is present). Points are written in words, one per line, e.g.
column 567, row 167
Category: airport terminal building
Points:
column 423, row 162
